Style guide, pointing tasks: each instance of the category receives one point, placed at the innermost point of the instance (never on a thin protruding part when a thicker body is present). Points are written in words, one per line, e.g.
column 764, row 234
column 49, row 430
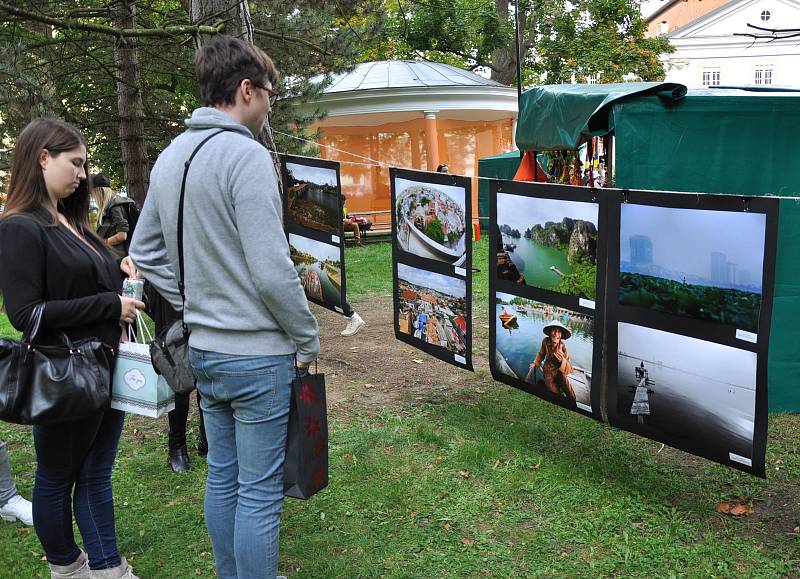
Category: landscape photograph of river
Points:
column 549, row 244
column 319, row 266
column 694, row 391
column 519, row 333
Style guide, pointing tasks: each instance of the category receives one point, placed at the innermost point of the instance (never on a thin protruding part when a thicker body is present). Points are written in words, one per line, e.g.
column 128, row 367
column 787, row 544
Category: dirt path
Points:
column 373, row 370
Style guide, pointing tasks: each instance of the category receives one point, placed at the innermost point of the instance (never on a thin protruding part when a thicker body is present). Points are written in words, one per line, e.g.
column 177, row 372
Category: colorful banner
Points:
column 313, row 207
column 432, row 263
column 689, row 309
column 547, row 266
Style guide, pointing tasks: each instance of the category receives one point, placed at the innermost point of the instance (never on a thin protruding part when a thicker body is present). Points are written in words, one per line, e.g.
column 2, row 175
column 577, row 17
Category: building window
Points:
column 663, row 27
column 711, row 76
column 765, row 15
column 763, row 74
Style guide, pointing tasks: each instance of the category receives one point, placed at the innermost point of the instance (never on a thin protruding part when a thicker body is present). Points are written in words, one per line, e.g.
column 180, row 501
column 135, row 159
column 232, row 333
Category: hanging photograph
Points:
column 312, row 194
column 693, row 394
column 432, row 216
column 432, row 312
column 695, row 263
column 319, row 266
column 548, row 243
column 545, row 349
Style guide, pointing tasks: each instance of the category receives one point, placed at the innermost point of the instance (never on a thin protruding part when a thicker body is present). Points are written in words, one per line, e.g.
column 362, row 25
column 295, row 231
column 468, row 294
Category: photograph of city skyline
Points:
column 432, row 308
column 701, row 264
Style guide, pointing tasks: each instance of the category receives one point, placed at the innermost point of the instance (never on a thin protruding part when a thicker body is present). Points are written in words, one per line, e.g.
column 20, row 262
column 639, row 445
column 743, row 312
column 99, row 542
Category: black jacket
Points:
column 49, row 263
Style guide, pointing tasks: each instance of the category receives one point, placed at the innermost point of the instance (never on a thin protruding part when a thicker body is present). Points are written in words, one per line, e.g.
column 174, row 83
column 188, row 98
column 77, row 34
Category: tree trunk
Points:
column 130, row 106
column 504, row 59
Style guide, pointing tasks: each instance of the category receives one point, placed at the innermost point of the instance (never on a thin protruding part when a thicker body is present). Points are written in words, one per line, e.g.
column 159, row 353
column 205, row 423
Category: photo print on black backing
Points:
column 547, row 262
column 312, row 206
column 432, row 263
column 690, row 288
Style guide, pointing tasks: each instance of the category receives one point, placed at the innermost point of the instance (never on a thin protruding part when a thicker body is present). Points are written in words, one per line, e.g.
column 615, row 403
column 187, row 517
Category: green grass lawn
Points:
column 491, row 483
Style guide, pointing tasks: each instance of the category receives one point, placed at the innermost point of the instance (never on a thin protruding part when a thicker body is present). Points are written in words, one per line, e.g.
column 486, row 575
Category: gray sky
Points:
column 456, row 193
column 318, row 175
column 683, row 239
column 442, row 283
column 321, row 251
column 523, row 212
column 723, row 363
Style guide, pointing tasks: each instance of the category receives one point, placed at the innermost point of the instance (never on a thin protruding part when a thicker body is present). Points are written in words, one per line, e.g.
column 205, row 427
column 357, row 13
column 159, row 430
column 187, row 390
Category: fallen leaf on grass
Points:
column 369, row 385
column 464, row 474
column 417, row 360
column 734, row 508
column 496, row 464
column 536, row 466
column 447, row 527
column 467, row 540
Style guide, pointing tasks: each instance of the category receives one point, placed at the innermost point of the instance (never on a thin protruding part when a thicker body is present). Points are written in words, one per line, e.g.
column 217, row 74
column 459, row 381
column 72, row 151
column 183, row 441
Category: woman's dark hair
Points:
column 27, row 191
column 224, row 62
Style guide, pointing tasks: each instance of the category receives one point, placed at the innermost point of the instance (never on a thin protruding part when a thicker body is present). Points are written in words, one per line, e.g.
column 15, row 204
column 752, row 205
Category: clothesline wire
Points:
column 375, row 163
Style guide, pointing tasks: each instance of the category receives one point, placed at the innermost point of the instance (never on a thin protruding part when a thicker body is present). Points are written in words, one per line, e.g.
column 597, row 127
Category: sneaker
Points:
column 354, row 324
column 17, row 509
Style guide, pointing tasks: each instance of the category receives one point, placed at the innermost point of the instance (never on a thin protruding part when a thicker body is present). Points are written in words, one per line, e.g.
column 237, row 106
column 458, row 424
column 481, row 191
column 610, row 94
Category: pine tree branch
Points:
column 72, row 24
column 284, row 38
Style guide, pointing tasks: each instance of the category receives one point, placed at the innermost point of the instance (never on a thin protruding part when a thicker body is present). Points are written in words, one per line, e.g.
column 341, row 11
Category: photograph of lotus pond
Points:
column 313, row 197
column 431, row 220
column 519, row 336
column 694, row 263
column 549, row 244
column 320, row 269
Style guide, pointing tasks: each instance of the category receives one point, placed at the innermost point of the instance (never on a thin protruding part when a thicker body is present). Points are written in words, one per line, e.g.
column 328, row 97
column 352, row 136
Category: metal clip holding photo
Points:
column 746, row 204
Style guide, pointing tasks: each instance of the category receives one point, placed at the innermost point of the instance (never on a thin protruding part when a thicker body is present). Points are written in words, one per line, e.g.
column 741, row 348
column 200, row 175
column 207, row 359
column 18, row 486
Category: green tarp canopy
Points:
column 561, row 116
column 498, row 167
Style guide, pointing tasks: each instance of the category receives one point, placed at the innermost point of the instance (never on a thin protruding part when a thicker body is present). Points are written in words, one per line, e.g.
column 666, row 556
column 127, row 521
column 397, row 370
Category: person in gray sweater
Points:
column 245, row 306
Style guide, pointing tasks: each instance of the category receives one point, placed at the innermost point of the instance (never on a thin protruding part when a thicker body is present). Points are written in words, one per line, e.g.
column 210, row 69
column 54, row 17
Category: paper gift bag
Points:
column 136, row 387
column 306, row 466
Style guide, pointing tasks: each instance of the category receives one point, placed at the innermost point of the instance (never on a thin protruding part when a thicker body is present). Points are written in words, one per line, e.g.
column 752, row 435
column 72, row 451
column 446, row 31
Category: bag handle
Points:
column 297, row 368
column 143, row 331
column 181, row 286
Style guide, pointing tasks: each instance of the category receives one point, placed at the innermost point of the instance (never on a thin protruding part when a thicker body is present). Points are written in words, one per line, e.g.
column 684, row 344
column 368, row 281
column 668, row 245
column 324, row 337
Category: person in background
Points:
column 163, row 316
column 354, row 321
column 12, row 506
column 50, row 255
column 113, row 222
column 443, row 168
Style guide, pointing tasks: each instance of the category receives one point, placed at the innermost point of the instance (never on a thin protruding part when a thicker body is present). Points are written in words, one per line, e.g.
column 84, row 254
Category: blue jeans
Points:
column 74, row 462
column 245, row 401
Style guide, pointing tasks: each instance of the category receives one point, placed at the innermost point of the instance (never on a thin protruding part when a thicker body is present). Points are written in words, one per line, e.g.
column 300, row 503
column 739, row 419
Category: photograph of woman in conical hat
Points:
column 554, row 359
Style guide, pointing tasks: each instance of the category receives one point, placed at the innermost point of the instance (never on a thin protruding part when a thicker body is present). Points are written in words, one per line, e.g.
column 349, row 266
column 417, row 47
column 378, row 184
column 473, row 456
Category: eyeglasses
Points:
column 273, row 94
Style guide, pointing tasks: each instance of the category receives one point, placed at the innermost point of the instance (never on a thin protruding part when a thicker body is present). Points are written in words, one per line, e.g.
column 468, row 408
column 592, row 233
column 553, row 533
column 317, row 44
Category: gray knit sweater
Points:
column 243, row 295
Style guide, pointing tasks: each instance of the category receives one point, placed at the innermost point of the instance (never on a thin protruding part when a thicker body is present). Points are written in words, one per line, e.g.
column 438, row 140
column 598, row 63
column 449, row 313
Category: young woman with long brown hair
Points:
column 49, row 254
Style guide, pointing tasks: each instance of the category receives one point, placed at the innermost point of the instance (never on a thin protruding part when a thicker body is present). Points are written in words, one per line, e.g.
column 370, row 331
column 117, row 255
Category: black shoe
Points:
column 202, row 446
column 179, row 460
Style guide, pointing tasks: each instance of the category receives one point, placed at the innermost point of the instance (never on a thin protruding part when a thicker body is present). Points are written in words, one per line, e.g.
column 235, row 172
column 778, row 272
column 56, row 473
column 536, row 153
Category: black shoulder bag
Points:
column 170, row 350
column 49, row 384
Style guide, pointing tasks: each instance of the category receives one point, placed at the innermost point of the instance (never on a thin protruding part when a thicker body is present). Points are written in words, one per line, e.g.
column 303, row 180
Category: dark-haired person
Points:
column 245, row 306
column 48, row 253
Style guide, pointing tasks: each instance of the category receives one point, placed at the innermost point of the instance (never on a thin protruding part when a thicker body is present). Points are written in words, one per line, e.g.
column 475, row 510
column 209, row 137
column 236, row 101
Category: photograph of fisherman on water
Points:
column 545, row 346
column 550, row 244
column 432, row 309
column 313, row 194
column 432, row 219
column 694, row 263
column 692, row 394
column 319, row 266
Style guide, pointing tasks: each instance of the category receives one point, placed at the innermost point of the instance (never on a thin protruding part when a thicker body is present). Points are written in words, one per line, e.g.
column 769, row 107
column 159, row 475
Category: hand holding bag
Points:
column 305, row 470
column 137, row 387
column 49, row 384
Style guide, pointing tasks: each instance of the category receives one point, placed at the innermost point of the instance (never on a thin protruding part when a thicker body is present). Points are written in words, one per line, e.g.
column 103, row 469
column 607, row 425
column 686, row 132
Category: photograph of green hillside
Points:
column 549, row 244
column 699, row 264
column 313, row 197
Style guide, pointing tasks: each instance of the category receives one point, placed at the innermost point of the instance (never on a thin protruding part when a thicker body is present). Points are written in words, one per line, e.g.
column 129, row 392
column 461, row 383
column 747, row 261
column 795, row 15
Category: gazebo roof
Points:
column 389, row 74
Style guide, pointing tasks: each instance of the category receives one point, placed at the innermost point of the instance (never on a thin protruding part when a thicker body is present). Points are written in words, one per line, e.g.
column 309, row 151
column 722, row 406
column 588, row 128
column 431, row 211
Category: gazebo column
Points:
column 431, row 140
column 416, row 161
